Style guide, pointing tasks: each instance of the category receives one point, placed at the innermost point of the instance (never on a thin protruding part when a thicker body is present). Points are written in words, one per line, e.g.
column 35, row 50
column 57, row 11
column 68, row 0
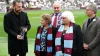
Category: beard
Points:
column 17, row 11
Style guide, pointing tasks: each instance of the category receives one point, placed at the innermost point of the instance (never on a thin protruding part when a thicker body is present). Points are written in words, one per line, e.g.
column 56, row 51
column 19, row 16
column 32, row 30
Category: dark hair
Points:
column 14, row 2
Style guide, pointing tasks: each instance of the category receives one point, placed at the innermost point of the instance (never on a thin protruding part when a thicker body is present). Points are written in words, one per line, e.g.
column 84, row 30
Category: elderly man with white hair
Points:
column 69, row 38
column 91, row 31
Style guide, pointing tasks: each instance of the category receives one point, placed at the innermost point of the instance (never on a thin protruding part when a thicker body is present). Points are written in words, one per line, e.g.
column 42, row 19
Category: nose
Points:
column 56, row 9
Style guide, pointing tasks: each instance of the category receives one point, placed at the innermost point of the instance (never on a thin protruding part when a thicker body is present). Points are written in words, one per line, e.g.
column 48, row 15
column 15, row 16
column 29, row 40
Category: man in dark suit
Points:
column 14, row 22
column 91, row 31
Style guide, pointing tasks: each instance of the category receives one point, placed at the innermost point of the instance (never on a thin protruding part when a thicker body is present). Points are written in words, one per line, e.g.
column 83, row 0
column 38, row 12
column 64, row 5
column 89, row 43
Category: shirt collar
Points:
column 59, row 14
column 92, row 18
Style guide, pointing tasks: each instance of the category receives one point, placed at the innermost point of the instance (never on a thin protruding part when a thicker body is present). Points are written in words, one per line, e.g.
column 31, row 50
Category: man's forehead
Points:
column 88, row 8
column 18, row 3
column 56, row 6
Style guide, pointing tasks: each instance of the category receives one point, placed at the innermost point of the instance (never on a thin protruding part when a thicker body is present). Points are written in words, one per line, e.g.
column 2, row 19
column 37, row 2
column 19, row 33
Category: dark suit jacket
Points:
column 77, row 49
column 54, row 30
column 12, row 26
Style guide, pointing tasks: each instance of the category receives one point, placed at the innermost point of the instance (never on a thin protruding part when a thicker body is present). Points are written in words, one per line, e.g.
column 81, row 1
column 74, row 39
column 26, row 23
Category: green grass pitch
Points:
column 34, row 17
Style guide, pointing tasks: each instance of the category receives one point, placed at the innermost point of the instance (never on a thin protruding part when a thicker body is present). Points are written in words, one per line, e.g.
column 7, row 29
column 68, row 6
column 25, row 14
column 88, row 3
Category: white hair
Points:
column 69, row 15
column 57, row 2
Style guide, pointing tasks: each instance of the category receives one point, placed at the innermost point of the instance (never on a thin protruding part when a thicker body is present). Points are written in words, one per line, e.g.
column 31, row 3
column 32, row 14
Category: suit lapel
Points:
column 93, row 21
column 85, row 25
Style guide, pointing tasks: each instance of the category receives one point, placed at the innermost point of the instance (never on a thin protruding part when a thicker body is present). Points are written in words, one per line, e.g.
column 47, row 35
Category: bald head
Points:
column 57, row 7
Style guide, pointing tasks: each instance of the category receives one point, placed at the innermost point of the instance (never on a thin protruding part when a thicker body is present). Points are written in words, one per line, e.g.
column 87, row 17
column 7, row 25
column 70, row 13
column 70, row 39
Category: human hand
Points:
column 85, row 46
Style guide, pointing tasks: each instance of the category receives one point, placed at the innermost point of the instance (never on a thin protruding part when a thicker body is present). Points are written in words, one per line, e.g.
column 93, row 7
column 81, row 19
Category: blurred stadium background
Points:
column 35, row 8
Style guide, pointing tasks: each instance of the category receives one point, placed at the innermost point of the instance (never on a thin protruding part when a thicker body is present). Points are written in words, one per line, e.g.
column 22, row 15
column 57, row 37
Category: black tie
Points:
column 89, row 21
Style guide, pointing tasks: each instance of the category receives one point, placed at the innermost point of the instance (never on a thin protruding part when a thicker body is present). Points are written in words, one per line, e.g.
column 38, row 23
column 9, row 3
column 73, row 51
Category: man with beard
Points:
column 16, row 25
